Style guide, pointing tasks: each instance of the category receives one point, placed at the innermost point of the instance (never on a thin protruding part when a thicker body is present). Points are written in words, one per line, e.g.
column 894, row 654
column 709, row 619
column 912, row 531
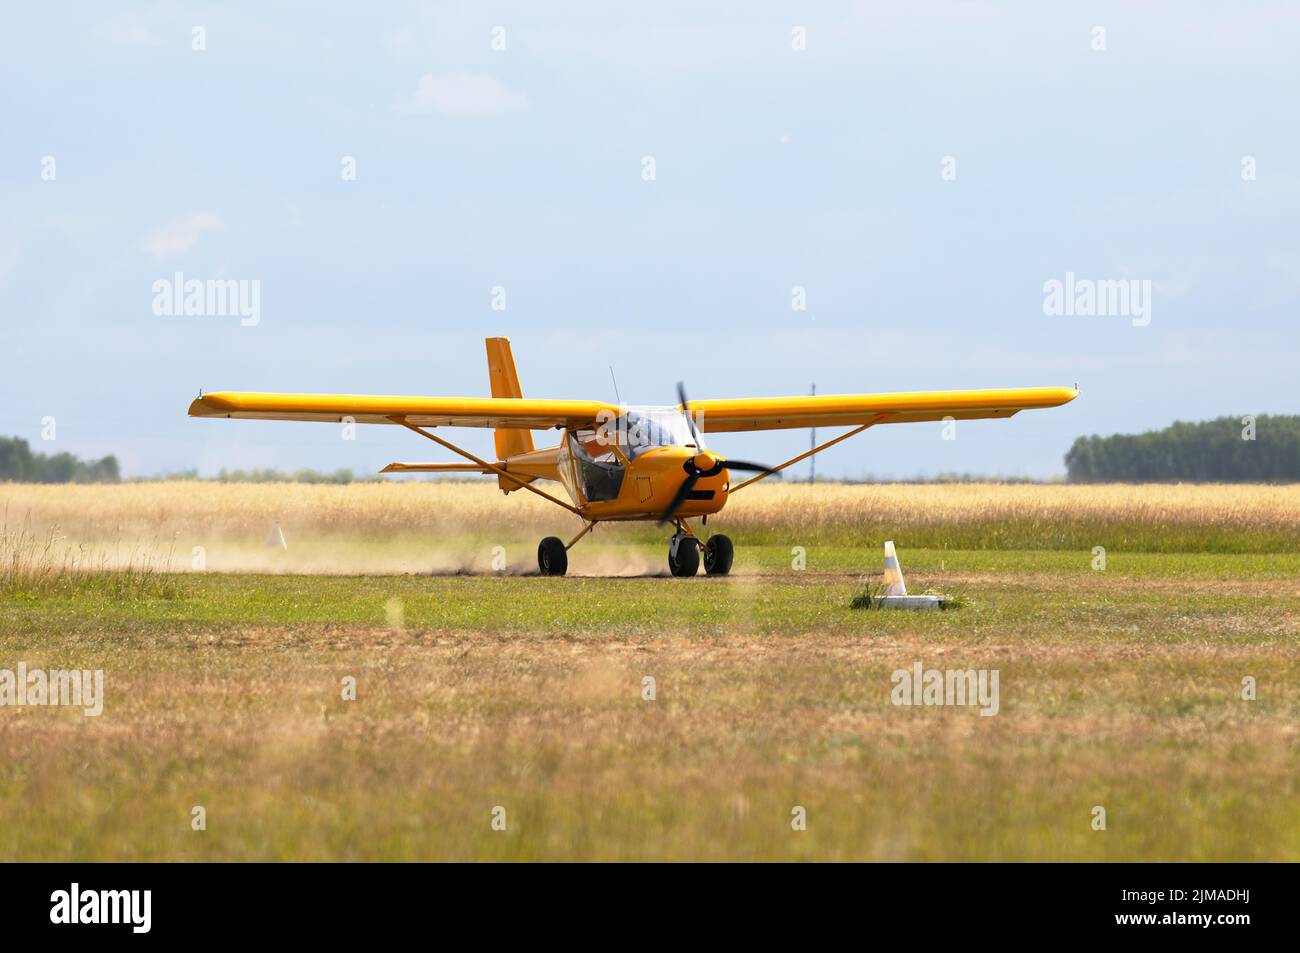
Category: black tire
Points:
column 687, row 562
column 718, row 555
column 552, row 557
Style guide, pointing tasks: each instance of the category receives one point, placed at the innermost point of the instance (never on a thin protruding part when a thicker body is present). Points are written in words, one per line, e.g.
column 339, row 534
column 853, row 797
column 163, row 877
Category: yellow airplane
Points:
column 621, row 462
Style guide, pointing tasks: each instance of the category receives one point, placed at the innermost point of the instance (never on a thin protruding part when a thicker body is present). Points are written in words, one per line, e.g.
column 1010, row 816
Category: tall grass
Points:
column 1136, row 518
column 48, row 564
column 1157, row 518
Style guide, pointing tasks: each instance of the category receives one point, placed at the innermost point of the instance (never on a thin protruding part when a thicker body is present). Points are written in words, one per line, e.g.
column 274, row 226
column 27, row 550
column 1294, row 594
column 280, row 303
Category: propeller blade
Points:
column 743, row 465
column 690, row 421
column 682, row 493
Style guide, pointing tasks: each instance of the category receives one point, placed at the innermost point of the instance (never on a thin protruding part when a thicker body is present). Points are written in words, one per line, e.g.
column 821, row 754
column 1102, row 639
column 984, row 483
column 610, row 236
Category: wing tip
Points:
column 210, row 405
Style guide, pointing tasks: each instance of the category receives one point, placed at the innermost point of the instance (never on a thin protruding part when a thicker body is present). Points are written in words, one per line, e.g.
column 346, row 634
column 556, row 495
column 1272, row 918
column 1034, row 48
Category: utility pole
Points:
column 812, row 444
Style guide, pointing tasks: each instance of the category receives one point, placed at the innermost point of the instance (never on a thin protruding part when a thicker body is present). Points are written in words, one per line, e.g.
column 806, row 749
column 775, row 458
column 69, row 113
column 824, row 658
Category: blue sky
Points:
column 522, row 168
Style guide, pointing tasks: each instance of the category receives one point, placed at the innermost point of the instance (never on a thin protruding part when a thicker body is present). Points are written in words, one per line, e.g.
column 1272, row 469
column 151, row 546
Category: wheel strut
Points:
column 587, row 529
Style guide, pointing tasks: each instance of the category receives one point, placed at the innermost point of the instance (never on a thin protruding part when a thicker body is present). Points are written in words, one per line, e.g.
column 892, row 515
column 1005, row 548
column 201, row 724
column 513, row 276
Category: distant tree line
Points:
column 256, row 475
column 294, row 476
column 1263, row 449
column 19, row 465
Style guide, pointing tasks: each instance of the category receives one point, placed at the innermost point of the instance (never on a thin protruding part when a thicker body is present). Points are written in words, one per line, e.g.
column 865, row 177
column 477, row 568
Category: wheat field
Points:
column 408, row 526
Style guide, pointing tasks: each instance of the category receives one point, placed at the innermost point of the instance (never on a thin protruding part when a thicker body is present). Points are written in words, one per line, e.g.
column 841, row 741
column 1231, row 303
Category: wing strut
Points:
column 485, row 465
column 804, row 456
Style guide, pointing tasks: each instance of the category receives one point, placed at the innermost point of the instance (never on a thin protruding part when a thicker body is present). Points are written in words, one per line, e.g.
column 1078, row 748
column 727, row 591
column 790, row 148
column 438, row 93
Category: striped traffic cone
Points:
column 275, row 539
column 894, row 585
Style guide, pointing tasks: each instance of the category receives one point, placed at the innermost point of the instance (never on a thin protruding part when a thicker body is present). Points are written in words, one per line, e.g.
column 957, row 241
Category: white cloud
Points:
column 179, row 237
column 464, row 94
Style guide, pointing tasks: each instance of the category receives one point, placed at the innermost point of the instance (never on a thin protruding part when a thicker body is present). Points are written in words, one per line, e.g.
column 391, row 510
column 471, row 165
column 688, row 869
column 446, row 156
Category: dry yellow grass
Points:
column 1155, row 518
column 528, row 693
column 1121, row 688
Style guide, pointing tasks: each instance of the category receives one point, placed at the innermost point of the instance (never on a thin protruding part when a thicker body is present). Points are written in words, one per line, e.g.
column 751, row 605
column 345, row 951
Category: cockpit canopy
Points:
column 639, row 429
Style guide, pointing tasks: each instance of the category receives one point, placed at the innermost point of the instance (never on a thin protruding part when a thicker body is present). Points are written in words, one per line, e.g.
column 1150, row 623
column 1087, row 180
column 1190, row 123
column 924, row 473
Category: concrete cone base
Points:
column 913, row 603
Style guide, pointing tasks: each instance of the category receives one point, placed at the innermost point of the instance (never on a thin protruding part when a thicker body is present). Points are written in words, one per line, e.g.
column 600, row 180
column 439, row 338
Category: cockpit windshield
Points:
column 640, row 429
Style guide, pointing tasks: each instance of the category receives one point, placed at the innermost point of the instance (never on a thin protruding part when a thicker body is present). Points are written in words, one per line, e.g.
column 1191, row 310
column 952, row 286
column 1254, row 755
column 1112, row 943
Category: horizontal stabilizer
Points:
column 434, row 468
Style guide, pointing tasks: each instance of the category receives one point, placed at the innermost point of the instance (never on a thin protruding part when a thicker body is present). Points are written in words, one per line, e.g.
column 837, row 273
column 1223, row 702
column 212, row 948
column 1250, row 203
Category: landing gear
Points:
column 552, row 557
column 684, row 555
column 718, row 555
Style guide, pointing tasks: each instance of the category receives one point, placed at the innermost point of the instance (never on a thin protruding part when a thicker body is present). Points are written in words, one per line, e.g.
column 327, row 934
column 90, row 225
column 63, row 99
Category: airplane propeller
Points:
column 693, row 470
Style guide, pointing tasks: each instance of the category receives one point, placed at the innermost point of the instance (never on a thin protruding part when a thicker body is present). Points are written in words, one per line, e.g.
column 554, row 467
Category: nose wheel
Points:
column 685, row 550
column 683, row 555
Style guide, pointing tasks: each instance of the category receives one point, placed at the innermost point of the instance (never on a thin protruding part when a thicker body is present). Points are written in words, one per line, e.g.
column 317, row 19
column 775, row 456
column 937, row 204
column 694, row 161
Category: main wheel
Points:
column 552, row 557
column 718, row 555
column 684, row 556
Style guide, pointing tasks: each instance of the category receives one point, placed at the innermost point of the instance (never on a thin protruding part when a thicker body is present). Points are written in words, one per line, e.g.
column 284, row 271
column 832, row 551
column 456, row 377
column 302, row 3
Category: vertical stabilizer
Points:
column 505, row 383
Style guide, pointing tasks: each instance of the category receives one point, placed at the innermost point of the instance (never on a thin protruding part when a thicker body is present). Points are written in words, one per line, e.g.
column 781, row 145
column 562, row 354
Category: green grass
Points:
column 1118, row 688
column 997, row 531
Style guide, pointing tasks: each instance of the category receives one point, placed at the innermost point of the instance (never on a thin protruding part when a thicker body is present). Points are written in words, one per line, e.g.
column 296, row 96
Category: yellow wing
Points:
column 835, row 410
column 753, row 413
column 494, row 412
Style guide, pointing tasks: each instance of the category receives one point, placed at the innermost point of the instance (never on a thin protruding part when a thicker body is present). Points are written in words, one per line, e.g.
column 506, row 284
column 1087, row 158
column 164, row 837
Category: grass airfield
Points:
column 1118, row 688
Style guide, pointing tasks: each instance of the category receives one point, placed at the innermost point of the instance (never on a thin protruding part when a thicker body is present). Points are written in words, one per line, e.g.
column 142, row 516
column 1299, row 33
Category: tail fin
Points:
column 505, row 383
